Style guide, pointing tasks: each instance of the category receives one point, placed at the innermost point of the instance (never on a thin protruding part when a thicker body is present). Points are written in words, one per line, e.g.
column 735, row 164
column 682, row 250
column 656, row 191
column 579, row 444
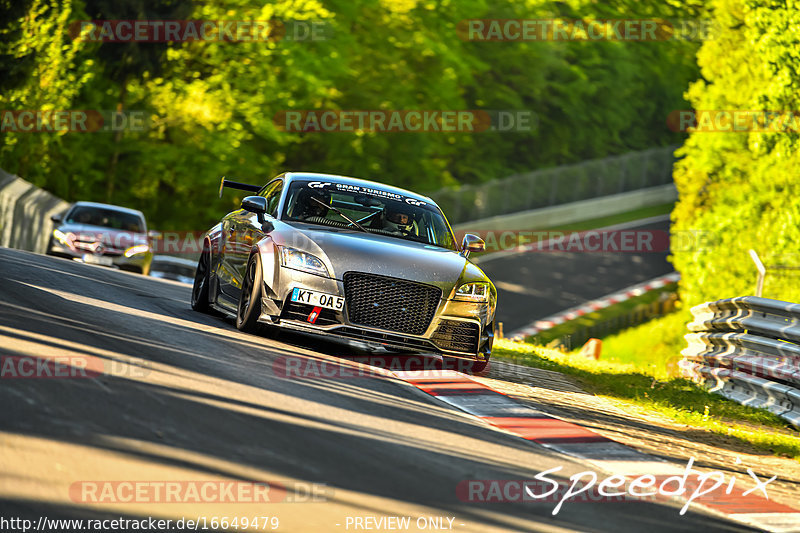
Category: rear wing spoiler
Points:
column 237, row 185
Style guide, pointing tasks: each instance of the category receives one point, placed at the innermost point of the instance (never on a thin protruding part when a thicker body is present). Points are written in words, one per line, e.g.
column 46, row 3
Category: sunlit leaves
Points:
column 742, row 188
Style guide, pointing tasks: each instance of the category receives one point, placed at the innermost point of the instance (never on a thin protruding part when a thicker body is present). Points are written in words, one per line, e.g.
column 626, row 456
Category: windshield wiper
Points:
column 347, row 218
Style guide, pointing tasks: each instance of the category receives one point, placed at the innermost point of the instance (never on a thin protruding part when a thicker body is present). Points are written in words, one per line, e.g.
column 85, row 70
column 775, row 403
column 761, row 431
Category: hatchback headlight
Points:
column 306, row 262
column 138, row 249
column 64, row 238
column 473, row 292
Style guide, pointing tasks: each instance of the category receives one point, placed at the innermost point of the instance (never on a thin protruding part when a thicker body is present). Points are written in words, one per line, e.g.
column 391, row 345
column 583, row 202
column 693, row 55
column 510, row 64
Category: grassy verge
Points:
column 603, row 315
column 611, row 220
column 638, row 381
column 653, row 347
column 596, row 223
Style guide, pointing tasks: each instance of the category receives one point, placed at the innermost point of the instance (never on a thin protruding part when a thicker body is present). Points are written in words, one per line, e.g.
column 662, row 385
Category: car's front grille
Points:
column 91, row 247
column 390, row 303
column 297, row 311
column 457, row 336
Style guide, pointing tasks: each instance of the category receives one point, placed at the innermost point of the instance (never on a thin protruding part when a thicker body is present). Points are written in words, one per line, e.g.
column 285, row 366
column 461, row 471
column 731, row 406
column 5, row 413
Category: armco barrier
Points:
column 25, row 212
column 553, row 186
column 746, row 349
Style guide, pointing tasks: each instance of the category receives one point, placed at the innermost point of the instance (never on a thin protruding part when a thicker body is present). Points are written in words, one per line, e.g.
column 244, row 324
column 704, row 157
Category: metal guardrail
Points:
column 25, row 212
column 558, row 185
column 747, row 349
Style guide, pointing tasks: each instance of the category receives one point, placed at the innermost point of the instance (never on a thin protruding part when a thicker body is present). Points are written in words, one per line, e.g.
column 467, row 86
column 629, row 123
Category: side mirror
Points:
column 472, row 243
column 153, row 234
column 56, row 219
column 255, row 204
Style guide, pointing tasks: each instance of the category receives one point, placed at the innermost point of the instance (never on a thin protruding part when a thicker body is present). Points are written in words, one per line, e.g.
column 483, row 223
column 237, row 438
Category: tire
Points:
column 479, row 367
column 250, row 298
column 467, row 367
column 202, row 281
column 133, row 269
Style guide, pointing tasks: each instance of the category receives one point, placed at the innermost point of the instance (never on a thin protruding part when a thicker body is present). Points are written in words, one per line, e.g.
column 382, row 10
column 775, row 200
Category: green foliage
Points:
column 212, row 104
column 742, row 188
column 43, row 70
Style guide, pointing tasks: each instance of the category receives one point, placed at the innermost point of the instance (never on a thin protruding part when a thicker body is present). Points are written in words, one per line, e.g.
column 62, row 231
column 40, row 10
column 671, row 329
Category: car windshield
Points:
column 375, row 210
column 106, row 218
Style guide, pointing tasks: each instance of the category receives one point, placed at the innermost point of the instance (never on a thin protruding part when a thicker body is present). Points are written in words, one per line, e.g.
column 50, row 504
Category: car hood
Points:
column 111, row 238
column 349, row 250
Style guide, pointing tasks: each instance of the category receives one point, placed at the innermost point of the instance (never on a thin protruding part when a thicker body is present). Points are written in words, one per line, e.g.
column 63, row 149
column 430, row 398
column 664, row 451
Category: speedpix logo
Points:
column 691, row 485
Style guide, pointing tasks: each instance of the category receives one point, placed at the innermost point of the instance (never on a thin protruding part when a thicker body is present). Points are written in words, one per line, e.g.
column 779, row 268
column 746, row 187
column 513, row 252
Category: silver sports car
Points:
column 349, row 258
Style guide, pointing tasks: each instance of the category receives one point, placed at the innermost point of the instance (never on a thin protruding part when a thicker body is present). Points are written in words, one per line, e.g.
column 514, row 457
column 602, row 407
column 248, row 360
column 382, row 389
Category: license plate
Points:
column 317, row 299
column 97, row 260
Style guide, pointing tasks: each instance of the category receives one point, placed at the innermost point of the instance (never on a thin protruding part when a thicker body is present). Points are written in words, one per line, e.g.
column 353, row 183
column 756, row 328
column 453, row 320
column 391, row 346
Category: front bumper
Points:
column 458, row 329
column 112, row 258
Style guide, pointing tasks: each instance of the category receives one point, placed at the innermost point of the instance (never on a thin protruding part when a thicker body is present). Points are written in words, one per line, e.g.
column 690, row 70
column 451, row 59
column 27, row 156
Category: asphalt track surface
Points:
column 536, row 284
column 186, row 397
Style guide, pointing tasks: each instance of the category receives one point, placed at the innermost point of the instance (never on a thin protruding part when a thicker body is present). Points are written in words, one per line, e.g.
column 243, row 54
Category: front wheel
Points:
column 479, row 367
column 465, row 366
column 250, row 297
column 202, row 280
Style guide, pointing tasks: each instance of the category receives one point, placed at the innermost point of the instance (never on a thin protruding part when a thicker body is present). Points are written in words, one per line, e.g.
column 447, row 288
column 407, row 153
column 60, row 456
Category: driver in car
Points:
column 397, row 220
column 308, row 204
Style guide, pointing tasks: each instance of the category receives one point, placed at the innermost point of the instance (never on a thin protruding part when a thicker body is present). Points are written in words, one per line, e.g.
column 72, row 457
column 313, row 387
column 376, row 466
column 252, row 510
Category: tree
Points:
column 739, row 190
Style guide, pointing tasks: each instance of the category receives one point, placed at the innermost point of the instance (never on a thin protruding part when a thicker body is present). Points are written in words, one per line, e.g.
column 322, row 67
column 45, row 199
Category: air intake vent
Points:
column 457, row 336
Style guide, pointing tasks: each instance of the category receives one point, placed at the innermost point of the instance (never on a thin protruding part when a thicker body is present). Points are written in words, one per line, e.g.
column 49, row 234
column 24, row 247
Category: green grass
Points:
column 611, row 220
column 653, row 347
column 595, row 223
column 634, row 376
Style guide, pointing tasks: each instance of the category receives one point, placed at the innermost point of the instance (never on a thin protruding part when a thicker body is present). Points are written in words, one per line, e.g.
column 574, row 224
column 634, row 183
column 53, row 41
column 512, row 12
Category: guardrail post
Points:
column 762, row 272
column 553, row 187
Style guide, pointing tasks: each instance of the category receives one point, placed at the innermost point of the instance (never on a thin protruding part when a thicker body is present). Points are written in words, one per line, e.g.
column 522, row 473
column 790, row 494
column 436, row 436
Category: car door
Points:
column 226, row 270
column 247, row 231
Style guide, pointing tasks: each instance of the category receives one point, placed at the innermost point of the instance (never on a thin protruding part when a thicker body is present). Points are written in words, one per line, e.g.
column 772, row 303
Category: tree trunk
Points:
column 111, row 173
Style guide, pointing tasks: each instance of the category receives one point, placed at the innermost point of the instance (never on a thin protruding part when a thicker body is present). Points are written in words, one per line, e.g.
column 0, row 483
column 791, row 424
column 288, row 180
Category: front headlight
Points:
column 64, row 238
column 138, row 249
column 306, row 262
column 473, row 292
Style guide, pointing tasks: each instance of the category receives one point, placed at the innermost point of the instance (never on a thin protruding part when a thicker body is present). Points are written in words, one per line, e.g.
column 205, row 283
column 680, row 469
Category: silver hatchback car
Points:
column 102, row 234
